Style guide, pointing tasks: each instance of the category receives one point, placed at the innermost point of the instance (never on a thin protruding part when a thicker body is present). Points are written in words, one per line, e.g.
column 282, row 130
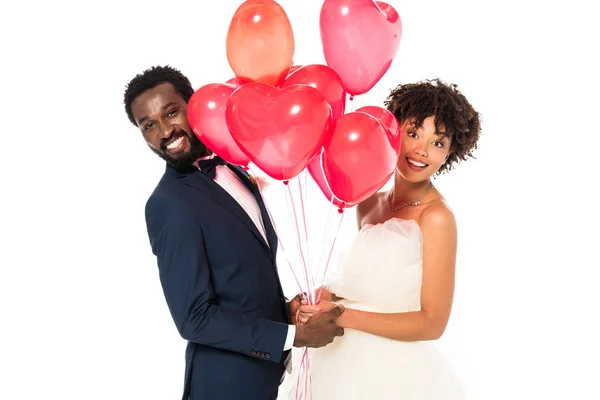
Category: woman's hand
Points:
column 294, row 305
column 306, row 311
column 323, row 294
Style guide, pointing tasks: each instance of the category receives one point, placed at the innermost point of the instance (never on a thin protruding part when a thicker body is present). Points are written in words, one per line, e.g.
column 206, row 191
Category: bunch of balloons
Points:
column 286, row 118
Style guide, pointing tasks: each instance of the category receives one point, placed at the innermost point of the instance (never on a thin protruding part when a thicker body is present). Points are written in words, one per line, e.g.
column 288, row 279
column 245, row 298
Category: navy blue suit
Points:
column 221, row 284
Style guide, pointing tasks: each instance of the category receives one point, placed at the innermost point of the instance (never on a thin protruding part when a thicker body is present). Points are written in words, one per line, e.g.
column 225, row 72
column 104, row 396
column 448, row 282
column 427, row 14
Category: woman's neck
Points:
column 404, row 190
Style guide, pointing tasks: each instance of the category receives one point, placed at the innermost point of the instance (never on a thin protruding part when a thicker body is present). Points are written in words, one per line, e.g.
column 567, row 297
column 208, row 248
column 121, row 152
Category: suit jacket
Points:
column 221, row 284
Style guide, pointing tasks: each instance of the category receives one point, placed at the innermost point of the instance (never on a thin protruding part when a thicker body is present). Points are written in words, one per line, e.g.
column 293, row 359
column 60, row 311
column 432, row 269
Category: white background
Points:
column 83, row 315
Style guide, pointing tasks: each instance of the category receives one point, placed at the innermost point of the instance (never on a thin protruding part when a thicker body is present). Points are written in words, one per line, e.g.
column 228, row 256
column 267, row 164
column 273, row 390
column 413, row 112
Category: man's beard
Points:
column 184, row 161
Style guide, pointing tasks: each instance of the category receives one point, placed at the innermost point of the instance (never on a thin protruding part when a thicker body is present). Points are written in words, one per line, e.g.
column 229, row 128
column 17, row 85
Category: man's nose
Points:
column 165, row 129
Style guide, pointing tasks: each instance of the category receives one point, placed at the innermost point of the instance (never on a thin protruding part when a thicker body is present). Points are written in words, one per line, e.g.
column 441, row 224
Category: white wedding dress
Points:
column 381, row 273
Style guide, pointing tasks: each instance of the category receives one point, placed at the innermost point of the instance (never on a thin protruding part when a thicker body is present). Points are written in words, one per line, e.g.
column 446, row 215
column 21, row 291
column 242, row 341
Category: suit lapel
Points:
column 269, row 228
column 198, row 180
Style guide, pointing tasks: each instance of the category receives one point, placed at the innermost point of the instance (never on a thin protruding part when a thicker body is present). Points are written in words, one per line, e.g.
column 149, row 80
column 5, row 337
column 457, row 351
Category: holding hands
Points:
column 325, row 303
column 306, row 311
column 315, row 324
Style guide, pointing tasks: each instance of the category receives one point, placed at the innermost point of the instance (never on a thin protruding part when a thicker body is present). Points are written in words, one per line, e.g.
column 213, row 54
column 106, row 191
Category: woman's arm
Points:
column 439, row 257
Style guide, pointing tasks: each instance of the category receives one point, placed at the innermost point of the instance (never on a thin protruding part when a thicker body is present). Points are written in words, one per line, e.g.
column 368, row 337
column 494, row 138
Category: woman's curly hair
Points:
column 451, row 110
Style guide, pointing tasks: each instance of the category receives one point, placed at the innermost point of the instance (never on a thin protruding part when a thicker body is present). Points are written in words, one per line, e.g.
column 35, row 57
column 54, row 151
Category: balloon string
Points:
column 305, row 367
column 287, row 259
column 303, row 219
column 337, row 231
column 292, row 208
column 326, row 231
column 308, row 377
column 351, row 99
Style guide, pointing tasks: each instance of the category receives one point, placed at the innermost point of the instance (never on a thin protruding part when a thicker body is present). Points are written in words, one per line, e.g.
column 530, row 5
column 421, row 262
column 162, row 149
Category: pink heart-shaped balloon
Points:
column 280, row 130
column 206, row 115
column 360, row 39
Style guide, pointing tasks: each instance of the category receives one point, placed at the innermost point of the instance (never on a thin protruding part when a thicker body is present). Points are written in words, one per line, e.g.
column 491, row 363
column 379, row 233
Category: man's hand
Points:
column 320, row 329
column 293, row 307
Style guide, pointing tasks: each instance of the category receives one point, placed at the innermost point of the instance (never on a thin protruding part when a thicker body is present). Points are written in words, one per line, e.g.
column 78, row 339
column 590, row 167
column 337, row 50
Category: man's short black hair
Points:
column 152, row 77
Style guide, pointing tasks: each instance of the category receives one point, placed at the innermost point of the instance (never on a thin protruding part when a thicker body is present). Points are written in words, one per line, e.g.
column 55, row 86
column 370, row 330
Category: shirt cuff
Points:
column 289, row 340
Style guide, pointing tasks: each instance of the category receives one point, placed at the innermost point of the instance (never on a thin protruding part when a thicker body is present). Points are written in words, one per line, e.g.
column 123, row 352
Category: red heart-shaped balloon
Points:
column 325, row 80
column 206, row 115
column 280, row 130
column 360, row 39
column 293, row 69
column 237, row 82
column 315, row 169
column 389, row 122
column 359, row 159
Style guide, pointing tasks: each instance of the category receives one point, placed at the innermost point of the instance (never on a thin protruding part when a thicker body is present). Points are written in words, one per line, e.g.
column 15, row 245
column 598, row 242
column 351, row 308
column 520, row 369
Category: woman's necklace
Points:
column 388, row 201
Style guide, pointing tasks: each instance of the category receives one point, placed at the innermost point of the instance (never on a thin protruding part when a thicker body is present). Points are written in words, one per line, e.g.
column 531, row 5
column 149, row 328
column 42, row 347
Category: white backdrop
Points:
column 83, row 315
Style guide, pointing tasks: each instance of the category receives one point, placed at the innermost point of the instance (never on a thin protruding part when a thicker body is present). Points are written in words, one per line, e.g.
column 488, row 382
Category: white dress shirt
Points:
column 229, row 181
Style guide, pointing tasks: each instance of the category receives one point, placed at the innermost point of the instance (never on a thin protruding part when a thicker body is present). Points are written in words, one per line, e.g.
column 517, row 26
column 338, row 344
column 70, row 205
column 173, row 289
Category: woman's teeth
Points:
column 416, row 163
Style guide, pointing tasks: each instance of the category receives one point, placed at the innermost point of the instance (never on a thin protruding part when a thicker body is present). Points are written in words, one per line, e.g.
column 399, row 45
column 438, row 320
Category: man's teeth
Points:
column 175, row 143
column 418, row 164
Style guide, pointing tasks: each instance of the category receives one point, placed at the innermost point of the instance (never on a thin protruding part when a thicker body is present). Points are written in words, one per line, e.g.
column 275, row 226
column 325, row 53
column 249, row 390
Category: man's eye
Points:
column 147, row 126
column 171, row 113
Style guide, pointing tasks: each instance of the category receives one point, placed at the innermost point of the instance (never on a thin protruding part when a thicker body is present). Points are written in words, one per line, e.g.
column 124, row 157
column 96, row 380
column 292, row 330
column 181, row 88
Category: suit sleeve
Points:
column 177, row 241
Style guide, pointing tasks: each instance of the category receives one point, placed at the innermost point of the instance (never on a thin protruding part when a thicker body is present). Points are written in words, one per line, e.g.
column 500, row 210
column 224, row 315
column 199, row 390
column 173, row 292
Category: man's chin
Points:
column 182, row 162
